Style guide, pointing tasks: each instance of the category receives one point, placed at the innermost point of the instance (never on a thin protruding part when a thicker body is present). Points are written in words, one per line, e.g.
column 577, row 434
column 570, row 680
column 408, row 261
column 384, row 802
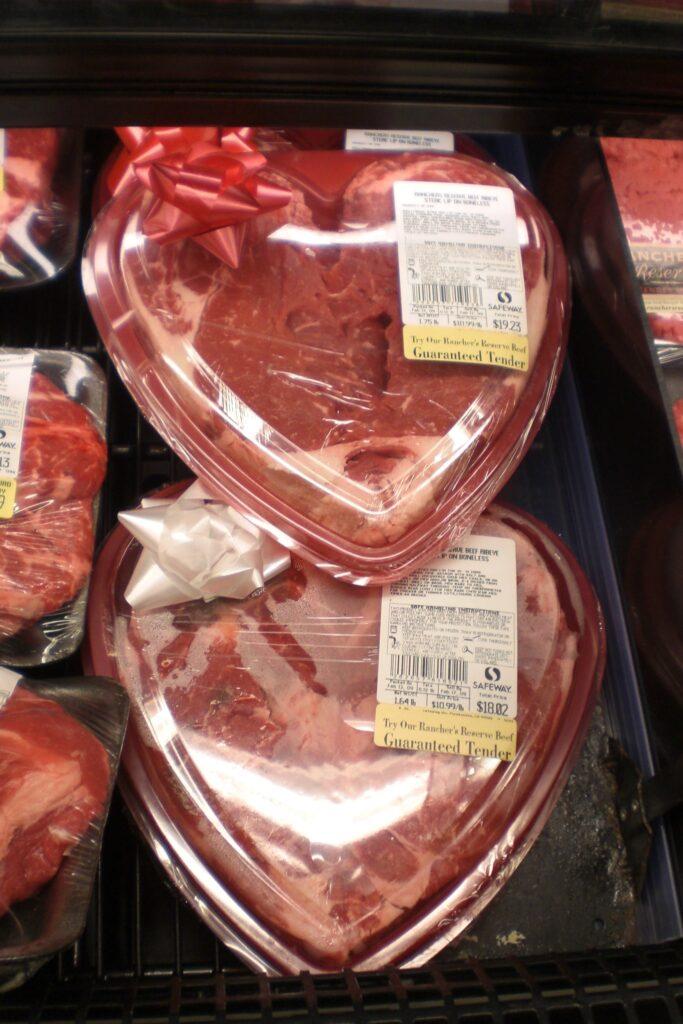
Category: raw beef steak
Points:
column 45, row 558
column 293, row 364
column 54, row 777
column 63, row 455
column 255, row 721
column 46, row 547
column 29, row 162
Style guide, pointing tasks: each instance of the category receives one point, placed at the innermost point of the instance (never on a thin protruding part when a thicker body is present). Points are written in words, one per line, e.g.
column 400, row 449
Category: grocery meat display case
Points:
column 546, row 72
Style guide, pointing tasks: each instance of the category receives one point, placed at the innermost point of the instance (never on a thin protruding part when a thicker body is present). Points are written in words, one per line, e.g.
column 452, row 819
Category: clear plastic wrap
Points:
column 646, row 175
column 40, row 182
column 625, row 234
column 251, row 768
column 283, row 384
column 60, row 743
column 46, row 545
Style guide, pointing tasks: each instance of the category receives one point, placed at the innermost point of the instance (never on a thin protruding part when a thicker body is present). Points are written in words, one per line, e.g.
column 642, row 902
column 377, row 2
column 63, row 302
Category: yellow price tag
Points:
column 667, row 304
column 466, row 345
column 445, row 732
column 8, row 490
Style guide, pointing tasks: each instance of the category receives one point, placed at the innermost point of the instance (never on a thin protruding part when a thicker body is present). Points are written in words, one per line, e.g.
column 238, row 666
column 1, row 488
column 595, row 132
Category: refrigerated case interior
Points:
column 146, row 957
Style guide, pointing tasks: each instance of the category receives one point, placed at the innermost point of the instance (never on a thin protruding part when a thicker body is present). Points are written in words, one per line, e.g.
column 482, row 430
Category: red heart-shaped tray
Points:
column 283, row 384
column 251, row 768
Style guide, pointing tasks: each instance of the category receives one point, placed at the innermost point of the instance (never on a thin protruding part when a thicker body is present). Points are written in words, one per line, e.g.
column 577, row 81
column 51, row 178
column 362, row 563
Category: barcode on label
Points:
column 418, row 666
column 448, row 294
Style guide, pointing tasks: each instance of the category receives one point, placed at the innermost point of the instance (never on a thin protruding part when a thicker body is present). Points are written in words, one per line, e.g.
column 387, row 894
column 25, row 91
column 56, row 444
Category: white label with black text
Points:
column 459, row 258
column 15, row 380
column 448, row 632
column 370, row 139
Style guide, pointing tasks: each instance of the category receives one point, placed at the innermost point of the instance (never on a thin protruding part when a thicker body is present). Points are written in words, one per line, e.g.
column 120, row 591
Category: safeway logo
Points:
column 505, row 298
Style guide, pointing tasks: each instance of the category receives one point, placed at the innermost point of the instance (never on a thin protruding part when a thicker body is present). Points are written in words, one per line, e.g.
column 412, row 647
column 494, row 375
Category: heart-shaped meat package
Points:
column 251, row 766
column 283, row 383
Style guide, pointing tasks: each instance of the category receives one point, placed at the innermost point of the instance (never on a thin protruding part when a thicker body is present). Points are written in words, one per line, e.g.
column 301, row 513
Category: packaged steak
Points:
column 618, row 204
column 40, row 181
column 646, row 177
column 308, row 832
column 60, row 743
column 355, row 350
column 53, row 458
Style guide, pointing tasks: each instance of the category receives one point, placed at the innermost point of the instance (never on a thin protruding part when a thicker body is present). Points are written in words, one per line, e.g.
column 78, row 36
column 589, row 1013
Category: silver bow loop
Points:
column 197, row 548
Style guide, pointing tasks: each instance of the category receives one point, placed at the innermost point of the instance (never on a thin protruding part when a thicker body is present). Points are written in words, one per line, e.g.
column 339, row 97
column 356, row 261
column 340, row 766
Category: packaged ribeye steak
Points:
column 60, row 743
column 367, row 376
column 53, row 459
column 40, row 181
column 308, row 832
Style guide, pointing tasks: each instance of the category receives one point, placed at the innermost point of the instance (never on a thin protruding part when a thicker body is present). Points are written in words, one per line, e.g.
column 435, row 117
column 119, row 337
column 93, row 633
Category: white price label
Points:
column 448, row 633
column 15, row 381
column 460, row 269
column 359, row 139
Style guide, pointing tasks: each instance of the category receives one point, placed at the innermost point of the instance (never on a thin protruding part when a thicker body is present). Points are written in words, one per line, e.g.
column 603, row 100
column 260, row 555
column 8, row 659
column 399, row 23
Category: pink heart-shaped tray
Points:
column 283, row 384
column 251, row 768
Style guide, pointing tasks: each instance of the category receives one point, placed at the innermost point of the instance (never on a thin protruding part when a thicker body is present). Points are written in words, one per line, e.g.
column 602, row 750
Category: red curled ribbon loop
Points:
column 206, row 183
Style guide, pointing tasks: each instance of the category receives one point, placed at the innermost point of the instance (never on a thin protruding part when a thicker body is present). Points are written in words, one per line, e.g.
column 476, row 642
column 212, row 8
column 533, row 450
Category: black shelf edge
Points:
column 181, row 62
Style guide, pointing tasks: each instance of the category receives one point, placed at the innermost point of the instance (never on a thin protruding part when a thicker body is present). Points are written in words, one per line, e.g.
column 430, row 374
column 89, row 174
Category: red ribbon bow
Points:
column 206, row 184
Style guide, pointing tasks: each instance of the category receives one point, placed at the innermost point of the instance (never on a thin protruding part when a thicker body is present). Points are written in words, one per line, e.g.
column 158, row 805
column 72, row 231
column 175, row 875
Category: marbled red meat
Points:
column 257, row 719
column 63, row 455
column 45, row 558
column 54, row 777
column 46, row 546
column 647, row 177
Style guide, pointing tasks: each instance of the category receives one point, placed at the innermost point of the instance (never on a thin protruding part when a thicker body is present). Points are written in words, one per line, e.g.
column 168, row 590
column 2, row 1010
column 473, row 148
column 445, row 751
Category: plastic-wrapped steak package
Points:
column 646, row 175
column 252, row 769
column 40, row 180
column 284, row 383
column 53, row 458
column 600, row 264
column 60, row 743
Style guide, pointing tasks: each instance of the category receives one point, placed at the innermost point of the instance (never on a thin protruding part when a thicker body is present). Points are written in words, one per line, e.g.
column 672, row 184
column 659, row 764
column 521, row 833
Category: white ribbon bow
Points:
column 197, row 547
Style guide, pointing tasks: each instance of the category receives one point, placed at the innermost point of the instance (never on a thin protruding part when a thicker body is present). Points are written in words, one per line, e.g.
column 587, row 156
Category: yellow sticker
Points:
column 8, row 490
column 466, row 345
column 661, row 303
column 442, row 732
